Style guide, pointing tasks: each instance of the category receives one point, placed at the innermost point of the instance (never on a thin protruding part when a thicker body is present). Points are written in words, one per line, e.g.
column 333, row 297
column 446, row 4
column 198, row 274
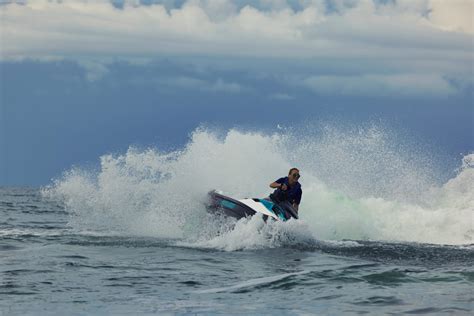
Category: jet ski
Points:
column 239, row 208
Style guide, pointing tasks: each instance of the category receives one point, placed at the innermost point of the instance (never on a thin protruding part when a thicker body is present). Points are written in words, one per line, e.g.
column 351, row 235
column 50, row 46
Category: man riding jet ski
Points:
column 281, row 205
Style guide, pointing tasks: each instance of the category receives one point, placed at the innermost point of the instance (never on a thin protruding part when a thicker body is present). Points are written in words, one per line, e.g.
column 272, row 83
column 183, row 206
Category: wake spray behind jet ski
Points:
column 270, row 207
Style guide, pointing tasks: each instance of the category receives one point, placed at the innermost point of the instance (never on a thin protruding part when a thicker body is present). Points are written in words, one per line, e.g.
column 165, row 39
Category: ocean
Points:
column 383, row 229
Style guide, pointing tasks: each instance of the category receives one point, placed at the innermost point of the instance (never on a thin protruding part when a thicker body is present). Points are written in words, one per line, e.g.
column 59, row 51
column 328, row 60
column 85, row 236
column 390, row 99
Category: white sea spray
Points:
column 358, row 184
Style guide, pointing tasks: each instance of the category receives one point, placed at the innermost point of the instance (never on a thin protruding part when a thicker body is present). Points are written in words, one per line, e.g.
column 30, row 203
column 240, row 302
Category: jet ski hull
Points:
column 219, row 203
column 228, row 206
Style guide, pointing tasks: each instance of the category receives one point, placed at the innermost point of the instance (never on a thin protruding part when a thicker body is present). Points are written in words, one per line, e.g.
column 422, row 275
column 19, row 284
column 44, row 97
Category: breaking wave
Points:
column 358, row 184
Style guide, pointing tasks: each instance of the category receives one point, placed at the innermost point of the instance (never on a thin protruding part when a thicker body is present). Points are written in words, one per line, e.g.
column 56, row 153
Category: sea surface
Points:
column 49, row 268
column 386, row 227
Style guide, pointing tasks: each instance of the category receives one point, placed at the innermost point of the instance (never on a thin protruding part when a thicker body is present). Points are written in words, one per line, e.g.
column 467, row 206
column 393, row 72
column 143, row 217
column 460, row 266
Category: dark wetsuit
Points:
column 292, row 194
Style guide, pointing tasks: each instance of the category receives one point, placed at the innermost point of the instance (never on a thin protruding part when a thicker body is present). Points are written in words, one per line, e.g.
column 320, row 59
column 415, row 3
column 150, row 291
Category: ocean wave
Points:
column 361, row 184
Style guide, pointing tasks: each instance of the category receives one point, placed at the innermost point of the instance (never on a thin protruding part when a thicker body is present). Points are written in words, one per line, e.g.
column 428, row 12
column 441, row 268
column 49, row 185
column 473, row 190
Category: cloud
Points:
column 81, row 28
column 380, row 85
column 424, row 39
column 231, row 87
column 184, row 82
column 452, row 15
column 281, row 97
column 94, row 70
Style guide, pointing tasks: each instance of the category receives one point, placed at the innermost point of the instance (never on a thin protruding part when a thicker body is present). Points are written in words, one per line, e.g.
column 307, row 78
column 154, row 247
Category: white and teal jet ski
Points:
column 239, row 208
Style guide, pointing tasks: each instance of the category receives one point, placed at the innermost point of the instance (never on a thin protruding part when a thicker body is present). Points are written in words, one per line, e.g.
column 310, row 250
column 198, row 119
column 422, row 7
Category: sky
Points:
column 79, row 79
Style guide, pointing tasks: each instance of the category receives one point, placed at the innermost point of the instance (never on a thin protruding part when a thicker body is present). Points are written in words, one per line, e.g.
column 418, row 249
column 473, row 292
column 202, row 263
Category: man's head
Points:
column 293, row 175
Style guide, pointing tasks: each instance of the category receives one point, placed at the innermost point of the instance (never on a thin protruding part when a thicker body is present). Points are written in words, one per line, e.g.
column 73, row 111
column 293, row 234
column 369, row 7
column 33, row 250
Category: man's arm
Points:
column 280, row 183
column 276, row 185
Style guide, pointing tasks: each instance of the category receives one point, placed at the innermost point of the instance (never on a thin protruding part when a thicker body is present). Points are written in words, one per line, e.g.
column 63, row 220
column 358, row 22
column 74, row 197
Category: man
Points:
column 288, row 189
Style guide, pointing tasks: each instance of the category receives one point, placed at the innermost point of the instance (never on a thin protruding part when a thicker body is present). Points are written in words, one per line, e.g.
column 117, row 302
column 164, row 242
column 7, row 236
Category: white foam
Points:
column 254, row 233
column 358, row 184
